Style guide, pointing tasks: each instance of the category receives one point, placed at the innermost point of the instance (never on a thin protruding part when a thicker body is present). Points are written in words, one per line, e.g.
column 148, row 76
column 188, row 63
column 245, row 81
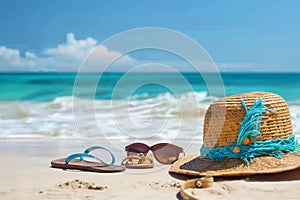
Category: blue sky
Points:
column 257, row 35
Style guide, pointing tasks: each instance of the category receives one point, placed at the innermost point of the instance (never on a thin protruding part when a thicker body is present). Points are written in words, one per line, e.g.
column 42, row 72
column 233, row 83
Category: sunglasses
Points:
column 164, row 153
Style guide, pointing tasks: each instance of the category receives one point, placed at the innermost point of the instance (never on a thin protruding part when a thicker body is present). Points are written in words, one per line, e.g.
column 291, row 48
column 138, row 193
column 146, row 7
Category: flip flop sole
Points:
column 86, row 166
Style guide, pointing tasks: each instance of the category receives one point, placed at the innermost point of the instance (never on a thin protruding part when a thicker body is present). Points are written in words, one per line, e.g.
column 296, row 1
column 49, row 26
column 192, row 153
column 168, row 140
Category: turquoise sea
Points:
column 48, row 86
column 124, row 106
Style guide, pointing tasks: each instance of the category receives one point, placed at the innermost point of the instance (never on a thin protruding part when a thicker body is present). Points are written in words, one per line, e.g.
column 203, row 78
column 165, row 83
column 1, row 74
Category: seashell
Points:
column 236, row 150
column 246, row 141
column 205, row 182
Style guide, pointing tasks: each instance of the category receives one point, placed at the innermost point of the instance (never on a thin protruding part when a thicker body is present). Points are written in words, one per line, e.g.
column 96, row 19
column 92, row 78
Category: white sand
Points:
column 25, row 174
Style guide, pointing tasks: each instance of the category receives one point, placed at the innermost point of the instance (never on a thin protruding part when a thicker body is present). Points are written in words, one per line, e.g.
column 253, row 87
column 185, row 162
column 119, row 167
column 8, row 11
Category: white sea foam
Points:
column 295, row 115
column 165, row 117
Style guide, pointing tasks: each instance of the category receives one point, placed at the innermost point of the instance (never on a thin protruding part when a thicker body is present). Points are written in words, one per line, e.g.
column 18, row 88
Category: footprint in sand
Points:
column 78, row 184
column 172, row 184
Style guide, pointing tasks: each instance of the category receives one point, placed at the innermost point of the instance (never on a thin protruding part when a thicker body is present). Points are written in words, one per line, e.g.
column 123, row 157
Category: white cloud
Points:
column 30, row 55
column 9, row 56
column 64, row 57
column 73, row 49
column 70, row 55
column 101, row 56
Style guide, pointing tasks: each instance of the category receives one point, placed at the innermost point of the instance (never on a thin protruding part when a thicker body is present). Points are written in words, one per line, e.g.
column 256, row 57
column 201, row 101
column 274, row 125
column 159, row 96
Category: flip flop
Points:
column 76, row 161
column 138, row 161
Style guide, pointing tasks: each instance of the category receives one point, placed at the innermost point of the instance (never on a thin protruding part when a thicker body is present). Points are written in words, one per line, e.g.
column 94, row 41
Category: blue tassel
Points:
column 250, row 128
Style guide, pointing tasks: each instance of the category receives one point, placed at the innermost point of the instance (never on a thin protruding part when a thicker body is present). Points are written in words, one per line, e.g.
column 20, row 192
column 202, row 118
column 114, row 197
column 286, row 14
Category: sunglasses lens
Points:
column 137, row 148
column 166, row 154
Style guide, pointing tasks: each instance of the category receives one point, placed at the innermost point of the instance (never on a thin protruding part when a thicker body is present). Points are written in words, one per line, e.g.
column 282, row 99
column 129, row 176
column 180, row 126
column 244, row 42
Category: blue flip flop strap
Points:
column 81, row 156
column 92, row 148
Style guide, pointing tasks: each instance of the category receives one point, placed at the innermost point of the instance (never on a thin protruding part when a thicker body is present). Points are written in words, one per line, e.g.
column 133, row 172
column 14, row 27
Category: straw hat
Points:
column 244, row 134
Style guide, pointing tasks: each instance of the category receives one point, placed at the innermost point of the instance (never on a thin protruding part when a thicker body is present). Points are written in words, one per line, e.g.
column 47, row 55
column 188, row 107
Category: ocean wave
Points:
column 164, row 117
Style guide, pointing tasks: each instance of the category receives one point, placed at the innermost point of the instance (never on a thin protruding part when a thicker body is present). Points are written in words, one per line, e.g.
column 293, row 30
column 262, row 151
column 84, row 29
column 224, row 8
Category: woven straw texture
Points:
column 197, row 166
column 221, row 126
column 223, row 118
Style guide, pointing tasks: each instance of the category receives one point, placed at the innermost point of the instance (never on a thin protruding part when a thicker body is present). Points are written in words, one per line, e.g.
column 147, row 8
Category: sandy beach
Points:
column 216, row 78
column 26, row 174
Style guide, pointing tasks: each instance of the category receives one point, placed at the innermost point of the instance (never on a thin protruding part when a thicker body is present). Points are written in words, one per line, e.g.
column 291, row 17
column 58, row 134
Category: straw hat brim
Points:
column 196, row 165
